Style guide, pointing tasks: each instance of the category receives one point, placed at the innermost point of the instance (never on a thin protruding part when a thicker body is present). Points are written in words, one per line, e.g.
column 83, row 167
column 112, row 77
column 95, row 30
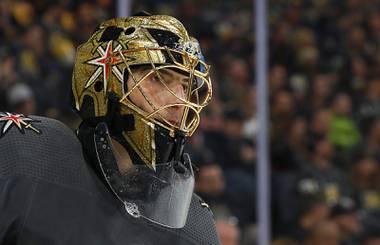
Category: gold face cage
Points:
column 198, row 88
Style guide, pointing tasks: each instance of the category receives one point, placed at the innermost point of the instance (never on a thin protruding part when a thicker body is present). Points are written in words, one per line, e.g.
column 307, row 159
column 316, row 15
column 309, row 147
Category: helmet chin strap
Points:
column 179, row 144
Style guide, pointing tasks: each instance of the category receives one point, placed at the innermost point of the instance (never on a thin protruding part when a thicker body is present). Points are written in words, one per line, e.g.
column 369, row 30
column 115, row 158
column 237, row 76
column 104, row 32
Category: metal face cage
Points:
column 197, row 86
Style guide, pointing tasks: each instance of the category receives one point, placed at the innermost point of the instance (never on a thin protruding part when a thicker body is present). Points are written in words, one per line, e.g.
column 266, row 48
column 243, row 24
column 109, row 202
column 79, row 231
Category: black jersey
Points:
column 50, row 195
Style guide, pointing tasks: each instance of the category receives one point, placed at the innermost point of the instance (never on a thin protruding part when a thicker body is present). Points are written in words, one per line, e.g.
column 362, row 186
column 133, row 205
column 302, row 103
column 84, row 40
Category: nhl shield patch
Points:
column 21, row 122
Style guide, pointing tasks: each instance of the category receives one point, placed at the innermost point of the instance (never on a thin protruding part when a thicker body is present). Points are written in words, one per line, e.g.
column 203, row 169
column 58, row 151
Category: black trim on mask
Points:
column 87, row 109
column 118, row 123
column 111, row 33
column 167, row 39
column 164, row 38
column 85, row 135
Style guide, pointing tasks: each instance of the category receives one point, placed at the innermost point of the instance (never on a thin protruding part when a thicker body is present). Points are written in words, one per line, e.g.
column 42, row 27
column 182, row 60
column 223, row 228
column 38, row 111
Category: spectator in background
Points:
column 343, row 132
column 277, row 79
column 366, row 179
column 8, row 75
column 311, row 214
column 371, row 144
column 235, row 84
column 282, row 114
column 34, row 59
column 228, row 143
column 86, row 14
column 326, row 232
column 322, row 170
column 307, row 54
column 319, row 125
column 250, row 126
column 291, row 151
column 345, row 216
column 321, row 91
column 371, row 239
column 228, row 231
column 20, row 99
column 236, row 156
column 369, row 107
column 210, row 186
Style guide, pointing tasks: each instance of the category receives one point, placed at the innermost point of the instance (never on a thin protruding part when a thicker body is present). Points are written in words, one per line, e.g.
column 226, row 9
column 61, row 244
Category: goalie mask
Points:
column 142, row 82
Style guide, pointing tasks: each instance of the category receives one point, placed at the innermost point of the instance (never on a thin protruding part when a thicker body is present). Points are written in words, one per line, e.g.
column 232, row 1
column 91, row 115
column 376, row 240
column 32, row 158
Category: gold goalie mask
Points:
column 142, row 82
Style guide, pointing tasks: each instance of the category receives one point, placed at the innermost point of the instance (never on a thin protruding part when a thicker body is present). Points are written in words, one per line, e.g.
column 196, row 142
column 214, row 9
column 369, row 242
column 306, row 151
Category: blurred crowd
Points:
column 37, row 50
column 324, row 80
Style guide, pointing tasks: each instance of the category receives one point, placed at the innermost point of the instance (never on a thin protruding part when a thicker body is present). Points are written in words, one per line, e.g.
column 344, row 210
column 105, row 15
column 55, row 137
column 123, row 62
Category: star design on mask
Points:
column 18, row 120
column 106, row 63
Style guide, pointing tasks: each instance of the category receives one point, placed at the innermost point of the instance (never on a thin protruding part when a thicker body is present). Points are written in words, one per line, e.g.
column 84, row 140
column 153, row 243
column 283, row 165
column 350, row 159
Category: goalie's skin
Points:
column 123, row 178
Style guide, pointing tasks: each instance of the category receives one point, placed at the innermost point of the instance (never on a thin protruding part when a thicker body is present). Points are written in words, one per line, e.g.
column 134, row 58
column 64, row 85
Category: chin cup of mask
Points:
column 161, row 194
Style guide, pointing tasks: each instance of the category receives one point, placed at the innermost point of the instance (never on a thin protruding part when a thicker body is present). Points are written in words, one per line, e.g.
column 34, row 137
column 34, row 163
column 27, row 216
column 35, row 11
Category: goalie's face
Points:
column 170, row 96
column 165, row 89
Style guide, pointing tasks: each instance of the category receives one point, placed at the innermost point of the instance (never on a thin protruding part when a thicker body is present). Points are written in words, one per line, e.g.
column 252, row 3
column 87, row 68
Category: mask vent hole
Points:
column 110, row 33
column 98, row 86
column 130, row 30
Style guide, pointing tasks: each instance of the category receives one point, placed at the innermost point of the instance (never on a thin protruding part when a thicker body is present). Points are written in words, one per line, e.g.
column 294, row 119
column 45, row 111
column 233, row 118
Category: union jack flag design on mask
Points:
column 19, row 120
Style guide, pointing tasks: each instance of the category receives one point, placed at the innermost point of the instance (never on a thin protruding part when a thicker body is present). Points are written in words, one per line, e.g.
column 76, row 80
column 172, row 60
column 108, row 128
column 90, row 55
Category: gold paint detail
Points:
column 141, row 139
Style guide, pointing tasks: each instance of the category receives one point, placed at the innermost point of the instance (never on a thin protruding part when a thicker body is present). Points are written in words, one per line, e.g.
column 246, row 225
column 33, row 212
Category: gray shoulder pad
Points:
column 200, row 225
column 40, row 148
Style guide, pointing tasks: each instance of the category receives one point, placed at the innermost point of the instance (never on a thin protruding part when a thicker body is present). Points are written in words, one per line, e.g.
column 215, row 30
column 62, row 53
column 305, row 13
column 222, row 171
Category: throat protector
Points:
column 161, row 194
